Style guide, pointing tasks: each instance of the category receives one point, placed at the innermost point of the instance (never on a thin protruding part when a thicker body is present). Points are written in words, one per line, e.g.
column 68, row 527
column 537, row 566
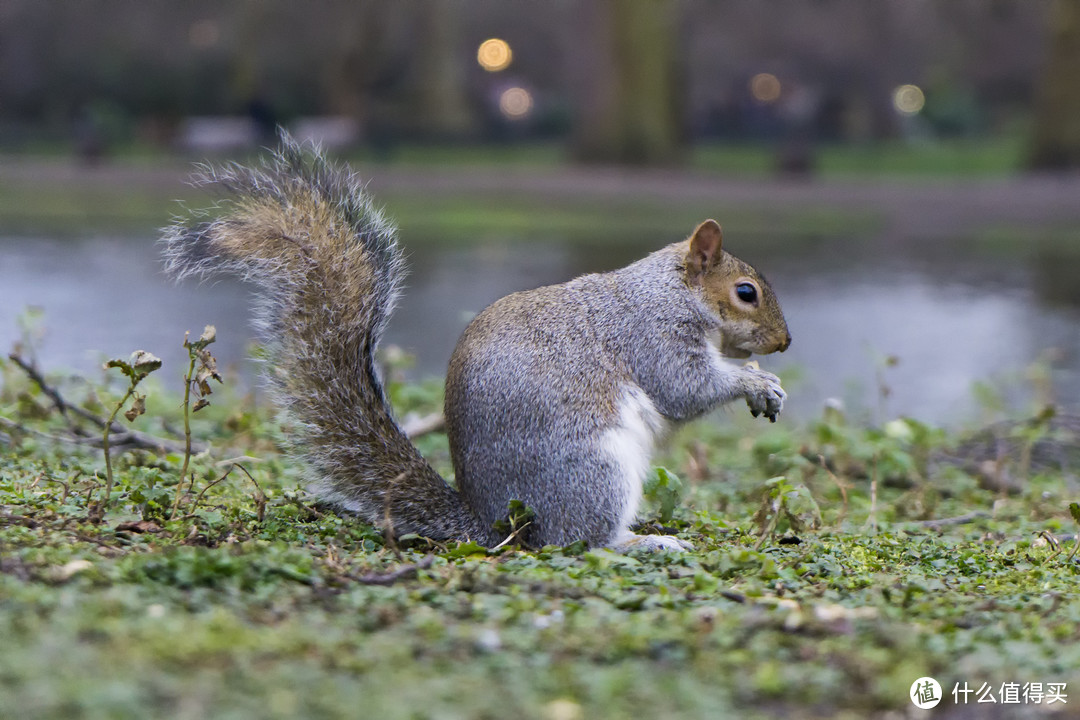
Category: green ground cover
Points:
column 138, row 187
column 40, row 208
column 87, row 209
column 961, row 157
column 834, row 564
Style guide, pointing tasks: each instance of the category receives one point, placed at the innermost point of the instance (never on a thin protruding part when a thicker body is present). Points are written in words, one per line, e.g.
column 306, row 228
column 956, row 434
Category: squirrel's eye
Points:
column 746, row 292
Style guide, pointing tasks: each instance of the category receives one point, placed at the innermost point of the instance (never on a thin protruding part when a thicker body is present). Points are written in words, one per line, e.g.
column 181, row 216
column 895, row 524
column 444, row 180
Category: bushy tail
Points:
column 328, row 266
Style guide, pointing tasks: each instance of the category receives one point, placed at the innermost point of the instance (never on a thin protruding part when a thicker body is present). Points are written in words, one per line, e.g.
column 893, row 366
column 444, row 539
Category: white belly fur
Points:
column 630, row 444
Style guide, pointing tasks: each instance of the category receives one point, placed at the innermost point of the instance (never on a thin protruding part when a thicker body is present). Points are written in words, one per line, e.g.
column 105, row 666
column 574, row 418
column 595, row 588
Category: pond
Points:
column 953, row 313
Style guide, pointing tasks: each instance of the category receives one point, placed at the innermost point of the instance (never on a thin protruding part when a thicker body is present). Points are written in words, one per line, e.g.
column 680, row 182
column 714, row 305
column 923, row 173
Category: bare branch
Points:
column 123, row 437
column 958, row 520
column 420, row 426
column 402, row 573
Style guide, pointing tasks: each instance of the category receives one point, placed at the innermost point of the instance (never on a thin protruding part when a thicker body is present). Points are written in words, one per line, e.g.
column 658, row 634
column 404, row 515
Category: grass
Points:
column 74, row 210
column 967, row 158
column 964, row 158
column 130, row 201
column 991, row 156
column 986, row 155
column 518, row 155
column 82, row 209
column 138, row 190
column 800, row 599
column 465, row 217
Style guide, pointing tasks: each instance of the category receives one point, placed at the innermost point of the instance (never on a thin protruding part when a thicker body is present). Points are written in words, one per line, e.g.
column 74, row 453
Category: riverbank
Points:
column 967, row 282
column 63, row 196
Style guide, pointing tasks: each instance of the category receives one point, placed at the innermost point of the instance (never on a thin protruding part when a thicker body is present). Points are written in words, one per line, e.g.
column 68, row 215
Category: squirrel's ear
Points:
column 705, row 247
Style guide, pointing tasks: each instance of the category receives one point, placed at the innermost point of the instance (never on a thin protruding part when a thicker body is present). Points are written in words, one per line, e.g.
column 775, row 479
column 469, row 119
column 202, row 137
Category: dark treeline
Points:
column 623, row 79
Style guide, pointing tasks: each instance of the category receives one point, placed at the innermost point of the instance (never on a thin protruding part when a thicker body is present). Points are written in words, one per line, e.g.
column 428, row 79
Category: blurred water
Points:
column 952, row 313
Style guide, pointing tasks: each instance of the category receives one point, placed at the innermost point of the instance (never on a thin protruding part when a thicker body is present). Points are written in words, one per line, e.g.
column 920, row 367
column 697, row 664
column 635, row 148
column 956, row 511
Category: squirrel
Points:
column 555, row 397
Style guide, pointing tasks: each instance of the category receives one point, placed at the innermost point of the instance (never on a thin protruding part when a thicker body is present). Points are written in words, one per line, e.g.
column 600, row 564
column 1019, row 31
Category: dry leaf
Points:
column 137, row 408
column 138, row 526
column 145, row 362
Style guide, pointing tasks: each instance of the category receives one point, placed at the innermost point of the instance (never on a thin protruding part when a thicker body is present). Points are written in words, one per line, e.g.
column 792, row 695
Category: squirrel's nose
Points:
column 787, row 342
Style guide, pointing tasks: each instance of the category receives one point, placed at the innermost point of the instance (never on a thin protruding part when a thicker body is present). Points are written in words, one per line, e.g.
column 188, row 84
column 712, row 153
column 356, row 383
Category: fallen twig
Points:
column 76, row 439
column 514, row 536
column 127, row 440
column 308, row 509
column 8, row 519
column 420, row 426
column 260, row 496
column 199, row 497
column 52, row 393
column 958, row 520
column 123, row 437
column 389, row 578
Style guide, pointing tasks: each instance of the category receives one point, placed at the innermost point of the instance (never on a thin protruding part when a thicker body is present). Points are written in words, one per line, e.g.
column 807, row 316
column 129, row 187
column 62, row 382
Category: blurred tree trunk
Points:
column 1056, row 140
column 625, row 65
column 354, row 57
column 438, row 104
column 400, row 69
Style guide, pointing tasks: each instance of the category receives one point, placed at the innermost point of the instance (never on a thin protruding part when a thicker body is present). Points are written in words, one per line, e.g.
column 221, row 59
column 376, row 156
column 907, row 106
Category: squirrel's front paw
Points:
column 763, row 392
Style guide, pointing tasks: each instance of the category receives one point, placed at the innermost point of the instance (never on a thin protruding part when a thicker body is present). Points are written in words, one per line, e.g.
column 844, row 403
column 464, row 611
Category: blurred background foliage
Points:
column 884, row 162
column 635, row 81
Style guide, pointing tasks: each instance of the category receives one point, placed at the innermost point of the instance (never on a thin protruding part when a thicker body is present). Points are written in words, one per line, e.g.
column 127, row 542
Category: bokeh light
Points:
column 765, row 87
column 908, row 99
column 494, row 55
column 515, row 103
column 204, row 34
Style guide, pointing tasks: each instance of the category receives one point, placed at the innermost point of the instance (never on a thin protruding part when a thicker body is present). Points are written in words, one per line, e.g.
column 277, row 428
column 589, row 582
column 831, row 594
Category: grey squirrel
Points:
column 554, row 396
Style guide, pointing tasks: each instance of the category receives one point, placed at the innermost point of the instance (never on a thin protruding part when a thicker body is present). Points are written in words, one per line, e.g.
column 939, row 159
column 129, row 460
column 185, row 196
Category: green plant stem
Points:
column 105, row 446
column 187, row 436
column 871, row 520
column 768, row 530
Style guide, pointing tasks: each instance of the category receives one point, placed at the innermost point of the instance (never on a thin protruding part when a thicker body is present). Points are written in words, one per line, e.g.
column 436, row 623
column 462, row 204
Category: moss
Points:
column 792, row 604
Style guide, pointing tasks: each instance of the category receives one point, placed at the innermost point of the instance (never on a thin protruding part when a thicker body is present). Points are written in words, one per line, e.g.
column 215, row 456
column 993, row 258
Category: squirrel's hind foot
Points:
column 652, row 543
